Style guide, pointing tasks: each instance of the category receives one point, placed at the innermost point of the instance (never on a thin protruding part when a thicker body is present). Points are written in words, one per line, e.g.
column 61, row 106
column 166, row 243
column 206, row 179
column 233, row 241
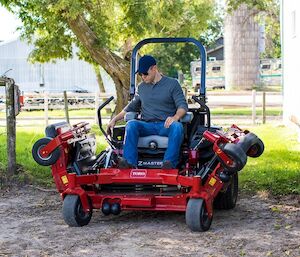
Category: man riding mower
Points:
column 160, row 104
column 202, row 176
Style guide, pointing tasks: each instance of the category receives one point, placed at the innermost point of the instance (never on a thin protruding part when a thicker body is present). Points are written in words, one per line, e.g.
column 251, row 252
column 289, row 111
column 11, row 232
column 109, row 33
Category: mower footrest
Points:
column 138, row 201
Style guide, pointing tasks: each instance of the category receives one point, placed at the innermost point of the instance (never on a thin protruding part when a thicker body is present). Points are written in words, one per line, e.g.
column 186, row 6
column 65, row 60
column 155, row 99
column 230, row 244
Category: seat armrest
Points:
column 130, row 116
column 187, row 118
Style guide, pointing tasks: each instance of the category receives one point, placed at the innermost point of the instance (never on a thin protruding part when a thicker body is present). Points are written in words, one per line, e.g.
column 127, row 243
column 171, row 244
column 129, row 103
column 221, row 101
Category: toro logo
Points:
column 138, row 173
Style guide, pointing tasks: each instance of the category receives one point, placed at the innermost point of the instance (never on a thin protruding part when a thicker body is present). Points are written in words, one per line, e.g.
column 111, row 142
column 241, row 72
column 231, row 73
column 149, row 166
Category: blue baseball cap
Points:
column 145, row 63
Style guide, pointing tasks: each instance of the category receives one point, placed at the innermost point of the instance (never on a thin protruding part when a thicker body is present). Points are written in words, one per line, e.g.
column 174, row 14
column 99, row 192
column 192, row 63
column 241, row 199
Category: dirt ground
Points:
column 31, row 224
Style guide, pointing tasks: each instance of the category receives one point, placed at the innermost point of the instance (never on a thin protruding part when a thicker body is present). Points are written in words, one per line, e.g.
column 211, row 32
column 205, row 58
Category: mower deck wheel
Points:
column 36, row 152
column 196, row 215
column 73, row 212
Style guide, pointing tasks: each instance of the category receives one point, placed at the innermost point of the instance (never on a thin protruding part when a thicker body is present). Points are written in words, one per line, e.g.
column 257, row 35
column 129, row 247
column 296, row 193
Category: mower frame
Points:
column 191, row 189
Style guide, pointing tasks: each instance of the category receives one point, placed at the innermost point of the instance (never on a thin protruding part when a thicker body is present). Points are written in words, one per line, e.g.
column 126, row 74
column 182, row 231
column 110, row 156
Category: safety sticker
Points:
column 212, row 181
column 64, row 179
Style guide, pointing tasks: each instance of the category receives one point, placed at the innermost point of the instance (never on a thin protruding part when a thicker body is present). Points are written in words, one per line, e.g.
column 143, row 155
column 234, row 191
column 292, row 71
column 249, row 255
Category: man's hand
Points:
column 110, row 126
column 170, row 120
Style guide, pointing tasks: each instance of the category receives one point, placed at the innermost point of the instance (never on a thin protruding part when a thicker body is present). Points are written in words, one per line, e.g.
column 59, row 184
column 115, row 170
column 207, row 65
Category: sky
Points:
column 8, row 25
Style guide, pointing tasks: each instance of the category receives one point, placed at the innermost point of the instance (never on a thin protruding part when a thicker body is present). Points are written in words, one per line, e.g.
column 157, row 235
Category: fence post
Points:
column 264, row 108
column 11, row 127
column 253, row 106
column 46, row 108
column 66, row 107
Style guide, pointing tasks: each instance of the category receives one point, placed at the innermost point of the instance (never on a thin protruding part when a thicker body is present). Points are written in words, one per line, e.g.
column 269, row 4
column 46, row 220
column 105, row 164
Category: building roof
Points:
column 218, row 44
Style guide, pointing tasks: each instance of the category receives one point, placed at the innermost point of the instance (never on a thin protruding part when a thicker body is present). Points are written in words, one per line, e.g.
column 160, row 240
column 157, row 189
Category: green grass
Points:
column 276, row 171
column 270, row 111
column 265, row 88
column 31, row 171
column 25, row 140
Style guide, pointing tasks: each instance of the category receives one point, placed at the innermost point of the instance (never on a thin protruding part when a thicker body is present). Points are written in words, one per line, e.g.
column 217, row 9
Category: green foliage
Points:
column 215, row 27
column 46, row 22
column 272, row 32
column 175, row 57
column 260, row 5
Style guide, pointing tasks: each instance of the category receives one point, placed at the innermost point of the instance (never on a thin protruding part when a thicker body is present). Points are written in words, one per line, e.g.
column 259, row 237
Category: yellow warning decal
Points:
column 212, row 181
column 64, row 179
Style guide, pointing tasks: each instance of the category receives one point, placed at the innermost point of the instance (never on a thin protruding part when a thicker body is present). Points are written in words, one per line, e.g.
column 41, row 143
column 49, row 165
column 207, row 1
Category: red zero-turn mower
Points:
column 205, row 178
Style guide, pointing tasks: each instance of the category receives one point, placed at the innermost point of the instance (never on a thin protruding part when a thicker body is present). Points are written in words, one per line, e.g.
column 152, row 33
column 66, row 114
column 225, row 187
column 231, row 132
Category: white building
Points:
column 290, row 33
column 69, row 75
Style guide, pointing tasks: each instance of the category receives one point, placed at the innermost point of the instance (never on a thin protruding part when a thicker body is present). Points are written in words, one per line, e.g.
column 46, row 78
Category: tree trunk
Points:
column 99, row 79
column 115, row 66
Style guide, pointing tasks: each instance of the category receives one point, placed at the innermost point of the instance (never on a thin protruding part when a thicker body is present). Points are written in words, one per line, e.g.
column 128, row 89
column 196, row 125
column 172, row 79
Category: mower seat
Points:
column 155, row 143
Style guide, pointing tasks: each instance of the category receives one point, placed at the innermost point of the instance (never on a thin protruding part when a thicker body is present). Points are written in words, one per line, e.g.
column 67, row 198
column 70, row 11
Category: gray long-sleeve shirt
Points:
column 159, row 101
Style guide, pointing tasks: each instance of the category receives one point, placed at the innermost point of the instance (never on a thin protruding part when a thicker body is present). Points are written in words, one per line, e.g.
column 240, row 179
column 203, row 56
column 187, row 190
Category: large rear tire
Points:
column 227, row 200
column 73, row 212
column 196, row 215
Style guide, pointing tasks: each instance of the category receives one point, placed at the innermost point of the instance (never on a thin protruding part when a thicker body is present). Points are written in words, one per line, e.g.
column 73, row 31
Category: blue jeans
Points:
column 135, row 129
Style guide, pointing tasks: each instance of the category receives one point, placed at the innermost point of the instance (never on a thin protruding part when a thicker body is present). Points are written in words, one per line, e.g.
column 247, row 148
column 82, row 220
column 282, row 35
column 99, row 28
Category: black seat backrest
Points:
column 51, row 130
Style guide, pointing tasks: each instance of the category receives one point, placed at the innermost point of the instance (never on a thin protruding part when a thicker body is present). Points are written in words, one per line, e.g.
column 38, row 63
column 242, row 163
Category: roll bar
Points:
column 133, row 66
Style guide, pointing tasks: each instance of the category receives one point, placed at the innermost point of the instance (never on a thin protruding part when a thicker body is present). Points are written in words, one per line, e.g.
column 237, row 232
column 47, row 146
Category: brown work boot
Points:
column 167, row 165
column 124, row 164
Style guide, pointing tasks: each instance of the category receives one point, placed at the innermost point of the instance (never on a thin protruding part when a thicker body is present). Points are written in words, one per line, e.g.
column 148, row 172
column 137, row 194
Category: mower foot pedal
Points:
column 138, row 201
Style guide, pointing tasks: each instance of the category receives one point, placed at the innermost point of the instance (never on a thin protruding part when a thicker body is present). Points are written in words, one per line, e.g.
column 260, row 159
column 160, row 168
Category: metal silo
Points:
column 241, row 46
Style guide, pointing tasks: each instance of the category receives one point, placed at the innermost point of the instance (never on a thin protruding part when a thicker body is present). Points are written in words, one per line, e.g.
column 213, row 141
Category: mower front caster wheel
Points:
column 257, row 149
column 237, row 156
column 36, row 152
column 196, row 215
column 73, row 212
